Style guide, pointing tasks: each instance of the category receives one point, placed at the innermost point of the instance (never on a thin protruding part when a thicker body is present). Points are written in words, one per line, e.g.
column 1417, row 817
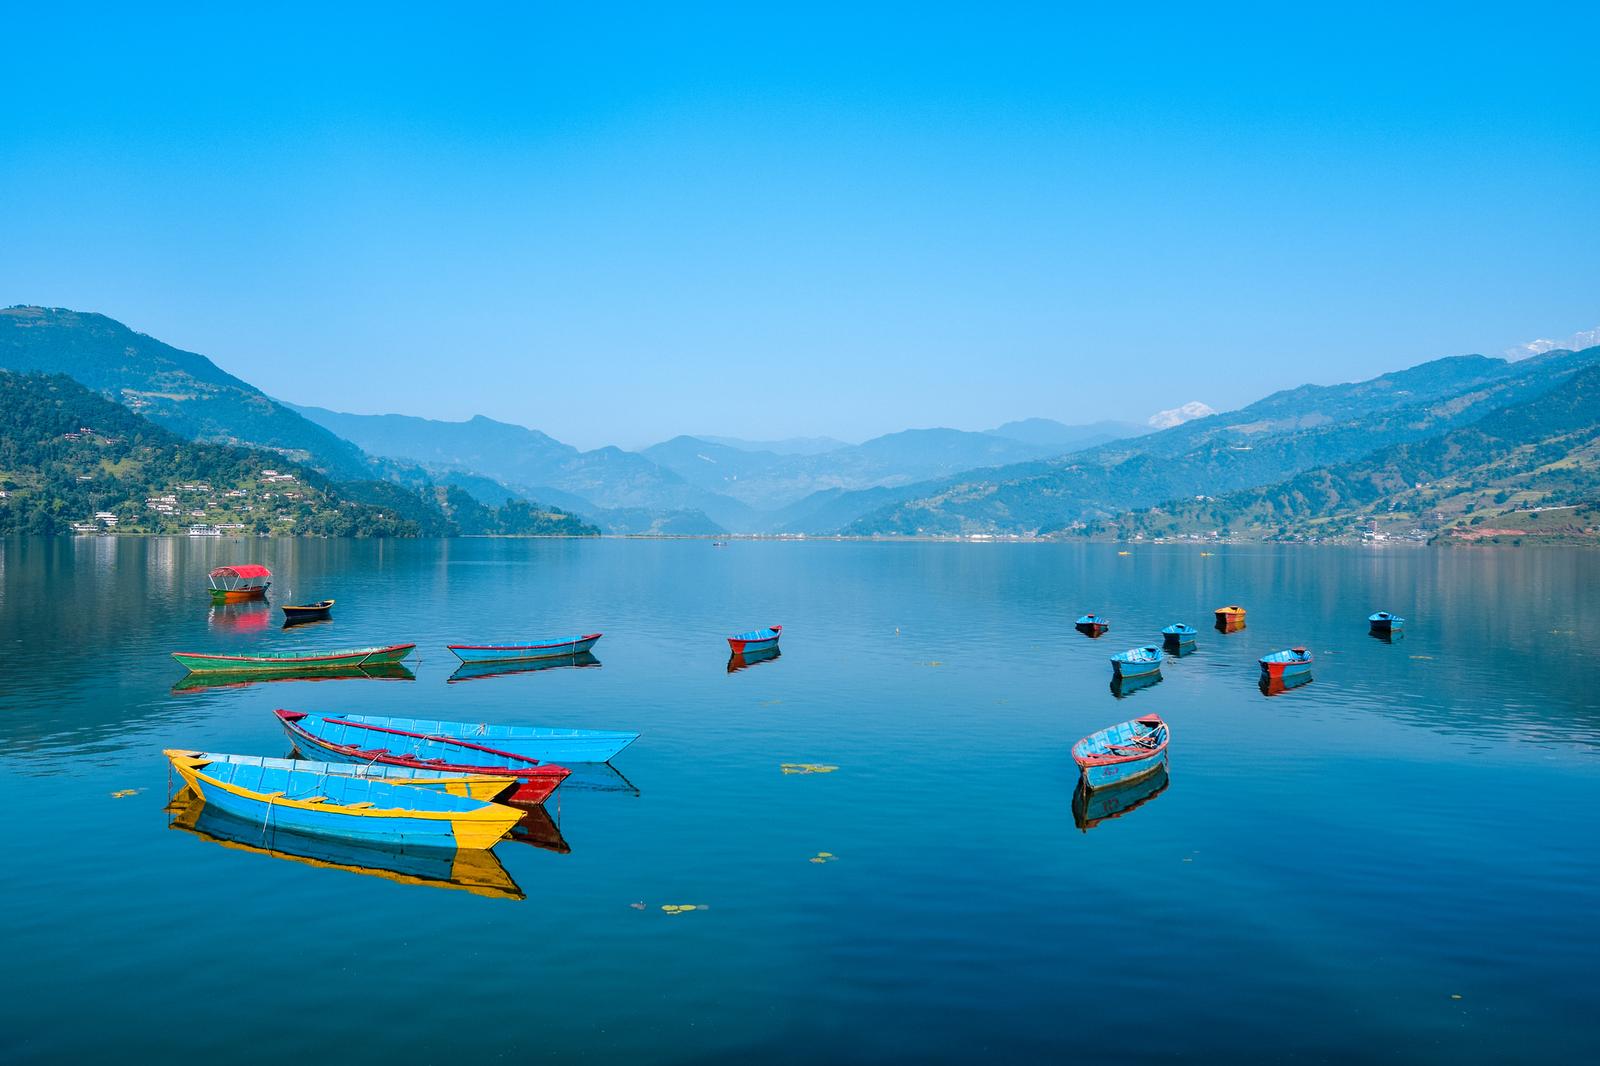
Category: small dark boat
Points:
column 1092, row 625
column 1178, row 634
column 1384, row 622
column 1137, row 662
column 306, row 612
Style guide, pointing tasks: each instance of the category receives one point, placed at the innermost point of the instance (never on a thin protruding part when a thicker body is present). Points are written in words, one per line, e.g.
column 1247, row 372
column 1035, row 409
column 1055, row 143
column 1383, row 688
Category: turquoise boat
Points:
column 1178, row 634
column 470, row 742
column 550, row 648
column 344, row 808
column 1384, row 622
column 474, row 786
column 1136, row 662
column 1122, row 753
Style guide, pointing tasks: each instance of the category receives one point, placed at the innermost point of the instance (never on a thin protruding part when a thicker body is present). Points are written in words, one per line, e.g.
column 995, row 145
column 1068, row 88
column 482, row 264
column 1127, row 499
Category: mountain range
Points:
column 1189, row 469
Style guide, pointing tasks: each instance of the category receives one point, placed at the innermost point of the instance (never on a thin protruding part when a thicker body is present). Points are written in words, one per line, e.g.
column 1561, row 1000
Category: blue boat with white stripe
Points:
column 1137, row 662
column 550, row 648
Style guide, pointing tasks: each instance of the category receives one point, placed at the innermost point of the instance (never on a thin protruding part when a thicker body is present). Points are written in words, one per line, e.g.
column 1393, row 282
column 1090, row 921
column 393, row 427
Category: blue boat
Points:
column 476, row 786
column 344, row 808
column 468, row 743
column 1282, row 665
column 1093, row 624
column 1123, row 752
column 1137, row 662
column 1178, row 633
column 550, row 648
column 1384, row 622
column 755, row 640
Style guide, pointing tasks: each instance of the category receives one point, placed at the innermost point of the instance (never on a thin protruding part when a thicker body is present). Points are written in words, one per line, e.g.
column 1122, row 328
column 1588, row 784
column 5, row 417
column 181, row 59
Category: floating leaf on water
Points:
column 823, row 856
column 934, row 662
column 1422, row 657
column 807, row 768
column 123, row 793
column 637, row 906
column 1456, row 995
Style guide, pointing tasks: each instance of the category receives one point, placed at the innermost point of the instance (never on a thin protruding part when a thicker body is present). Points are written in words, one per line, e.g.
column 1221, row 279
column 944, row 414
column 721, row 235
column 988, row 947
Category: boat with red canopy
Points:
column 235, row 584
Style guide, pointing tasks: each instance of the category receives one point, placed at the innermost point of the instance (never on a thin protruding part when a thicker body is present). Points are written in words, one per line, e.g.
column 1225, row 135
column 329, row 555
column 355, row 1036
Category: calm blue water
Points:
column 1326, row 870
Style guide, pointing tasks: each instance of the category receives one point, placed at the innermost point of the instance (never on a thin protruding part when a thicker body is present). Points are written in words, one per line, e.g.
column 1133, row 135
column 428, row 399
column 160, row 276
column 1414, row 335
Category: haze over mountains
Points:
column 1031, row 476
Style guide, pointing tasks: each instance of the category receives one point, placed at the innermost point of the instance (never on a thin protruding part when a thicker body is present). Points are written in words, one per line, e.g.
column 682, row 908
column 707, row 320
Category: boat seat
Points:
column 361, row 806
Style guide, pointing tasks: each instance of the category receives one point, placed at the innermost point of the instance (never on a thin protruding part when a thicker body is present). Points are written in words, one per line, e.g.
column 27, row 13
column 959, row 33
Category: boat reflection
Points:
column 540, row 830
column 744, row 660
column 252, row 616
column 1386, row 636
column 1229, row 625
column 305, row 624
column 387, row 672
column 475, row 671
column 1179, row 650
column 596, row 777
column 475, row 871
column 1123, row 687
column 1091, row 807
column 1277, row 686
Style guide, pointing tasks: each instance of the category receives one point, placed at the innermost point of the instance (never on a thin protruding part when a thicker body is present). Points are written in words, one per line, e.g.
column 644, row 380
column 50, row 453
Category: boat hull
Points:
column 1285, row 671
column 1124, row 669
column 196, row 662
column 238, row 595
column 476, row 828
column 471, row 786
column 307, row 612
column 514, row 653
column 536, row 782
column 468, row 742
column 760, row 640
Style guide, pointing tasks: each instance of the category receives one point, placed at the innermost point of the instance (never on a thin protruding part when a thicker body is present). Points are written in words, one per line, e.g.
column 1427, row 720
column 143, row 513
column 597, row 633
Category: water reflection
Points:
column 386, row 672
column 475, row 871
column 1091, row 807
column 1229, row 625
column 476, row 671
column 540, row 830
column 596, row 777
column 1277, row 686
column 1386, row 636
column 744, row 660
column 253, row 616
column 1123, row 687
column 307, row 624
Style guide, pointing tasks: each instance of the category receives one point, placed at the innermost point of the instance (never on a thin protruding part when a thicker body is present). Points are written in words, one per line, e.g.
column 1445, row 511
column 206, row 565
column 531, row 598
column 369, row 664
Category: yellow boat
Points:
column 340, row 807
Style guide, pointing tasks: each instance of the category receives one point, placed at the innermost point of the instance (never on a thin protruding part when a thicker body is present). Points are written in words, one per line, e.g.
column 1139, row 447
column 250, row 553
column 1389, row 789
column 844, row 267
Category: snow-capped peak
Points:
column 1587, row 338
column 1178, row 415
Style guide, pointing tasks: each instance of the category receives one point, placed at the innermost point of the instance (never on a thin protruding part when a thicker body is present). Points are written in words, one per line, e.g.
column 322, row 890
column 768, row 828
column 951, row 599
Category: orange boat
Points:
column 235, row 584
column 1230, row 619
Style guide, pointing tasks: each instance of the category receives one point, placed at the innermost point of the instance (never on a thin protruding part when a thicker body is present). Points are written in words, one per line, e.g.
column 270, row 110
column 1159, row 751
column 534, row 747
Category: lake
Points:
column 1395, row 861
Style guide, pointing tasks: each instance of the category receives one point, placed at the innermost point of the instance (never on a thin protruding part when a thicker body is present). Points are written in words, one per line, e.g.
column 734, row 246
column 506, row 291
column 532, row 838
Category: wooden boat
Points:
column 306, row 612
column 1384, row 622
column 344, row 808
column 1230, row 619
column 473, row 786
column 528, row 741
column 244, row 679
column 755, row 640
column 293, row 661
column 1093, row 624
column 1123, row 752
column 1178, row 633
column 1136, row 662
column 744, row 660
column 1291, row 662
column 235, row 584
column 475, row 671
column 474, row 871
column 511, row 653
column 319, row 737
column 1090, row 807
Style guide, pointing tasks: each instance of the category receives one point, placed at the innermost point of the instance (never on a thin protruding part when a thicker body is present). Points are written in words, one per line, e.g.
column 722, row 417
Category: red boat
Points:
column 535, row 780
column 235, row 584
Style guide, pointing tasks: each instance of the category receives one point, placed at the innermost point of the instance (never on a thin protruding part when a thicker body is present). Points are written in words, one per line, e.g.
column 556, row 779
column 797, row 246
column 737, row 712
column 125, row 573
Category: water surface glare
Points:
column 1325, row 872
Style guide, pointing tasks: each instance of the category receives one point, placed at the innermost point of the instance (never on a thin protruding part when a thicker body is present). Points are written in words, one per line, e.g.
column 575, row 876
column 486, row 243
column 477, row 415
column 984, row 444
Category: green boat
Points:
column 293, row 661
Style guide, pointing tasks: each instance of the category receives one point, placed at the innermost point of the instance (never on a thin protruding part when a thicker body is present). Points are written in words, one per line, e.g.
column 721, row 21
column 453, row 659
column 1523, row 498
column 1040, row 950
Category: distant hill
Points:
column 1541, row 453
column 791, row 446
column 181, row 391
column 1261, row 444
column 1047, row 432
column 613, row 487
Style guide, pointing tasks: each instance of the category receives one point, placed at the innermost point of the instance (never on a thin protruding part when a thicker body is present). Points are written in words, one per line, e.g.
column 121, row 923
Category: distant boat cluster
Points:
column 1125, row 765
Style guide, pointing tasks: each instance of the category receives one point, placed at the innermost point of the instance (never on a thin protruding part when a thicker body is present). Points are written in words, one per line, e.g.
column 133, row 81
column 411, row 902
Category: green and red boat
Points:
column 293, row 661
column 236, row 584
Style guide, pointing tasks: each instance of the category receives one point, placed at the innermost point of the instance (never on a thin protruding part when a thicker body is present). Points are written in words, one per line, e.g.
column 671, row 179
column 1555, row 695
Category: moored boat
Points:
column 235, row 584
column 1230, row 619
column 1178, row 633
column 344, row 808
column 319, row 737
column 1137, row 662
column 755, row 640
column 293, row 661
column 1291, row 662
column 1123, row 752
column 306, row 612
column 1384, row 622
column 1093, row 625
column 552, row 648
column 473, row 786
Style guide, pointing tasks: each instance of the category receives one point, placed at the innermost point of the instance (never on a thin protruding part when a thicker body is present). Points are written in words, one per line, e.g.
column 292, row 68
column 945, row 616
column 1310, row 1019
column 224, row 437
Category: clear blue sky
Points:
column 624, row 225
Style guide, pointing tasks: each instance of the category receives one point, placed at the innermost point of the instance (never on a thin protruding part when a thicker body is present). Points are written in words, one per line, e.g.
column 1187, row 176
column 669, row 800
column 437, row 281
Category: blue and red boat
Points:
column 1123, row 752
column 1137, row 662
column 755, row 640
column 1093, row 625
column 553, row 648
column 1286, row 664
